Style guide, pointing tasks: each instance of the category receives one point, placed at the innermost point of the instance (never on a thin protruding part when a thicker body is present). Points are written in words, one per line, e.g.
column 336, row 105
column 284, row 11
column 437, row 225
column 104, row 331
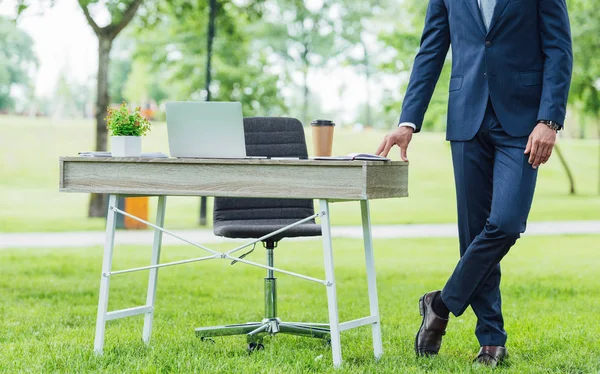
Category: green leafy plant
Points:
column 122, row 122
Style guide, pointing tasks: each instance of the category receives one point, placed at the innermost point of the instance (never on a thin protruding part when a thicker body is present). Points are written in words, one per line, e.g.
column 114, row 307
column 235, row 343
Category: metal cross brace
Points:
column 216, row 254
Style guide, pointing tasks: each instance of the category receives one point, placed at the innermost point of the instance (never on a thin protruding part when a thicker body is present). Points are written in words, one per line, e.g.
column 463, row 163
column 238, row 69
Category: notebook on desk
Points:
column 354, row 156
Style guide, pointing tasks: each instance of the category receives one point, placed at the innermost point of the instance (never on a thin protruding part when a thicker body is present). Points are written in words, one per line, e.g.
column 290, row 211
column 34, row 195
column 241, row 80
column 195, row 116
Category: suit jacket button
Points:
column 485, row 75
column 488, row 43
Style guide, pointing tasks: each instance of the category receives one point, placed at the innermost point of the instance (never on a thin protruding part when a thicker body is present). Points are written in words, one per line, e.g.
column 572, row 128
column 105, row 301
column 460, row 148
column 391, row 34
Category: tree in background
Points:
column 120, row 12
column 404, row 41
column 205, row 50
column 131, row 79
column 357, row 35
column 144, row 86
column 119, row 72
column 302, row 37
column 65, row 96
column 585, row 86
column 121, row 61
column 210, row 40
column 177, row 44
column 17, row 60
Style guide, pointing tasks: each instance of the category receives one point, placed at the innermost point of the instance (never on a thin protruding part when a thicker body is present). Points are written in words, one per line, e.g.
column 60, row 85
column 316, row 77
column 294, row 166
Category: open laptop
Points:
column 200, row 129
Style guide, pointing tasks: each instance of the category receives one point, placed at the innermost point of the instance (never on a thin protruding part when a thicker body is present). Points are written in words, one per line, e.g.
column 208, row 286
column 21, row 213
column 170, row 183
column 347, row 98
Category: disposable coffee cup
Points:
column 322, row 134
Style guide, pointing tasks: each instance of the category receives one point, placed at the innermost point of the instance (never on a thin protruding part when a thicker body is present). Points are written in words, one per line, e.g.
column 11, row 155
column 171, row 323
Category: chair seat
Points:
column 243, row 229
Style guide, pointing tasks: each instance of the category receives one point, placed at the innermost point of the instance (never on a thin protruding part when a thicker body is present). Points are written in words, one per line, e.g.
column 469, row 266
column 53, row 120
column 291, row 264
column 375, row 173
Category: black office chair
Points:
column 256, row 217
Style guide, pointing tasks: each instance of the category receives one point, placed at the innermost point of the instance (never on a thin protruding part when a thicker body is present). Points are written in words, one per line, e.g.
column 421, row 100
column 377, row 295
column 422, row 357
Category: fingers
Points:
column 548, row 154
column 403, row 155
column 384, row 147
column 537, row 150
column 381, row 147
column 401, row 138
column 540, row 153
column 388, row 145
column 540, row 145
column 533, row 150
column 544, row 155
column 537, row 161
column 528, row 147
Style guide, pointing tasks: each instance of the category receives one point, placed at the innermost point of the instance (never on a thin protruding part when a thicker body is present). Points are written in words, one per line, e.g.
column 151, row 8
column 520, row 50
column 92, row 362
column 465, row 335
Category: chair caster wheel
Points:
column 255, row 347
column 207, row 340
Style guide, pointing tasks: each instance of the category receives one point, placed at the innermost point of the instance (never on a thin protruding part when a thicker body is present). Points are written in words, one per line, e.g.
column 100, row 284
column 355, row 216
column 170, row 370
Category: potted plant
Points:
column 127, row 129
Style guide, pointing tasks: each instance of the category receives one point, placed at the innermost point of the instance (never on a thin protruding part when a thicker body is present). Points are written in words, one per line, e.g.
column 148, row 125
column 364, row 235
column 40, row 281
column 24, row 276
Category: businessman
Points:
column 511, row 72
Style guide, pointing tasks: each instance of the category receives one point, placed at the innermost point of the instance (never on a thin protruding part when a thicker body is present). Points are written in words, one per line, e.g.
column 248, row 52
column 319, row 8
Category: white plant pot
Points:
column 126, row 146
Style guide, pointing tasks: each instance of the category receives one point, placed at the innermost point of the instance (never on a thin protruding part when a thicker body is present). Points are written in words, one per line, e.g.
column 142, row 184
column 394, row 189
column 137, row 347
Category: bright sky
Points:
column 64, row 40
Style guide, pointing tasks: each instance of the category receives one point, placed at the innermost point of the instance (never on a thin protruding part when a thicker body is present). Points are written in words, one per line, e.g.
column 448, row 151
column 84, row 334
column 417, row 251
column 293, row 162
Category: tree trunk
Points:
column 212, row 17
column 97, row 207
column 306, row 91
column 563, row 161
column 106, row 35
column 598, row 126
column 369, row 119
column 306, row 95
column 102, row 101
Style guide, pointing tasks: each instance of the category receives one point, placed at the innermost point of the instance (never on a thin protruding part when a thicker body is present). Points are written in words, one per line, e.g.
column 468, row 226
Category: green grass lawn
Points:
column 30, row 201
column 49, row 297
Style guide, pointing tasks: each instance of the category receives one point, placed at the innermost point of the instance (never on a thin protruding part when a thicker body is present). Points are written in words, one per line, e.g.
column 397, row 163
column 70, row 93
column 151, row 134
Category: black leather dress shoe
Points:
column 429, row 338
column 491, row 355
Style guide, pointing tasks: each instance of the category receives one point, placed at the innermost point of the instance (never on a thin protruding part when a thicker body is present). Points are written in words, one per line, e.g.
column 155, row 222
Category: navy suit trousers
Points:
column 494, row 190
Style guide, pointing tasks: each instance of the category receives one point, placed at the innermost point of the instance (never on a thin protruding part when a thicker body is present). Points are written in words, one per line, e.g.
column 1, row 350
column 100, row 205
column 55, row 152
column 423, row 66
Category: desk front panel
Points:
column 333, row 180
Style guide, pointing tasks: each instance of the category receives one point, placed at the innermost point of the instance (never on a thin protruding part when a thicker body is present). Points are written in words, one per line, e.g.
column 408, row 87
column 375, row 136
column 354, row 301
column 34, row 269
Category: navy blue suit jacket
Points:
column 523, row 64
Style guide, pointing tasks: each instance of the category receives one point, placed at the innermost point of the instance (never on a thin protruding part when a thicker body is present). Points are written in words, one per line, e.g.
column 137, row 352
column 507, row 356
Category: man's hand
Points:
column 540, row 145
column 400, row 137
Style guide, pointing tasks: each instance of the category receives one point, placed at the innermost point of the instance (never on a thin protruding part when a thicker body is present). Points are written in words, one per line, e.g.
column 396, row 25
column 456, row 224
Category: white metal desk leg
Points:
column 334, row 322
column 109, row 242
column 153, row 277
column 371, row 279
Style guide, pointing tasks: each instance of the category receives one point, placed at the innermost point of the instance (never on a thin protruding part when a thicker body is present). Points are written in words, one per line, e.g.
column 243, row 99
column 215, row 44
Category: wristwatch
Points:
column 553, row 125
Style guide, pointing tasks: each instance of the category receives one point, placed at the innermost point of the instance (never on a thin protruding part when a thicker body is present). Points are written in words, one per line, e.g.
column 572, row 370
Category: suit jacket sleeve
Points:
column 555, row 34
column 428, row 64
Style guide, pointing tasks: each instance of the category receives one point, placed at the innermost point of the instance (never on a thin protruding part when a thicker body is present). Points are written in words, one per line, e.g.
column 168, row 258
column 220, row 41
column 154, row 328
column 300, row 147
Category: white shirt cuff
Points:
column 408, row 124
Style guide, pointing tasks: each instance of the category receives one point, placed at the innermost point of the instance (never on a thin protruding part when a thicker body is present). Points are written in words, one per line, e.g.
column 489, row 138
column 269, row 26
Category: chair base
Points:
column 270, row 325
column 256, row 331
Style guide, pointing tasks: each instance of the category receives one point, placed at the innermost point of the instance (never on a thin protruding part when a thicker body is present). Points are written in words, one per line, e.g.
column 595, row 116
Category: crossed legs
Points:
column 495, row 186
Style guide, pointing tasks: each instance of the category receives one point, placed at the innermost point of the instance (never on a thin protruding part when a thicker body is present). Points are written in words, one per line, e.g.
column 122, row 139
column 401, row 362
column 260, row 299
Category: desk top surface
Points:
column 228, row 161
column 270, row 178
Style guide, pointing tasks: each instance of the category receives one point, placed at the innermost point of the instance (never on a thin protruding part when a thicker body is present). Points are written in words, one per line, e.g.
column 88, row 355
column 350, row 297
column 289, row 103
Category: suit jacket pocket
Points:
column 531, row 78
column 455, row 83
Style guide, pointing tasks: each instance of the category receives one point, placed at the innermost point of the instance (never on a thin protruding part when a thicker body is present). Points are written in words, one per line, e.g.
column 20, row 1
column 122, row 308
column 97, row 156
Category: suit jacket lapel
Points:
column 498, row 10
column 473, row 6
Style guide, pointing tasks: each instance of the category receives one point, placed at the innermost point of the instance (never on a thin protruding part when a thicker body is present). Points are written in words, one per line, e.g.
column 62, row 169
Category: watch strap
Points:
column 553, row 125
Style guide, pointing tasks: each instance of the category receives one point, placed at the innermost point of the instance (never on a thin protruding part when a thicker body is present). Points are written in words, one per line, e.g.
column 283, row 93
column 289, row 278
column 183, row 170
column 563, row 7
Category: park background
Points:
column 63, row 62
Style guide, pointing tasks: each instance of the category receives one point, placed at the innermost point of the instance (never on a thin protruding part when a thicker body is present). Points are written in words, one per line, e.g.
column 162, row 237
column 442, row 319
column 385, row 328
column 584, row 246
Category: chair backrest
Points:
column 272, row 137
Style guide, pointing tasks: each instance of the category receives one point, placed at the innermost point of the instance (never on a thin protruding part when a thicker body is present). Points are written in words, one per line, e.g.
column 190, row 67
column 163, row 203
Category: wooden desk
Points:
column 327, row 181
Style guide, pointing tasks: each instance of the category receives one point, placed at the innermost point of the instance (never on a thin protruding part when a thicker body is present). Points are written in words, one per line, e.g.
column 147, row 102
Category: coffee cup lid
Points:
column 322, row 122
